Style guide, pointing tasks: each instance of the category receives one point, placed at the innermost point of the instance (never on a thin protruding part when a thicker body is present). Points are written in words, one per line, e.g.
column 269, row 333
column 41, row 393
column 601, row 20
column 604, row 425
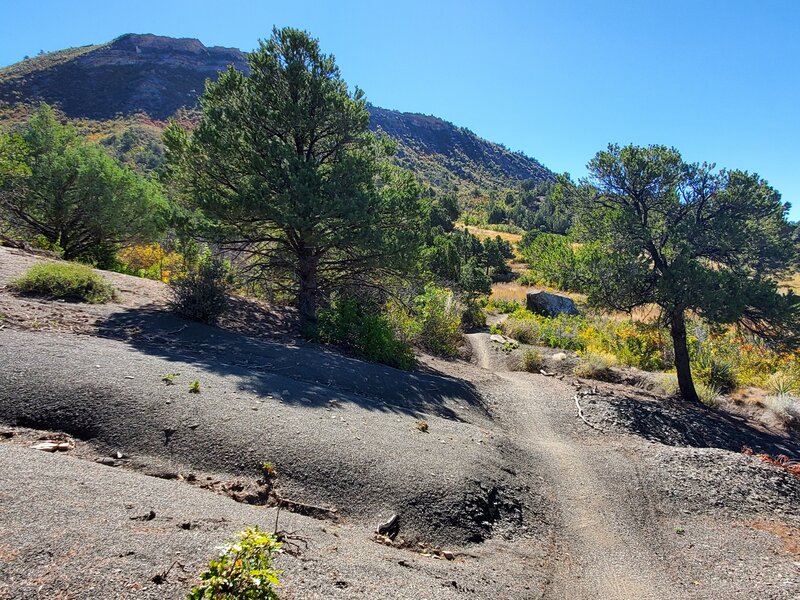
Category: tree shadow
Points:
column 290, row 369
column 677, row 423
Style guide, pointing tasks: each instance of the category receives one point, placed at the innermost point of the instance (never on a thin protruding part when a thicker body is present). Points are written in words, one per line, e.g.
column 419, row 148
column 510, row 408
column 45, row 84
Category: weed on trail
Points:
column 194, row 387
column 243, row 570
column 169, row 378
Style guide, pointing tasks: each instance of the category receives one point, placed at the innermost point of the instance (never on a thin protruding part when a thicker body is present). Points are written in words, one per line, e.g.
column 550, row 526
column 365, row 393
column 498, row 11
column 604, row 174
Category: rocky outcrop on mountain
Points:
column 457, row 148
column 134, row 73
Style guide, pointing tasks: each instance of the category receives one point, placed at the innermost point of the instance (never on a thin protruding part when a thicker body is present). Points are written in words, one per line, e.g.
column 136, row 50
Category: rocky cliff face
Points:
column 158, row 75
column 148, row 73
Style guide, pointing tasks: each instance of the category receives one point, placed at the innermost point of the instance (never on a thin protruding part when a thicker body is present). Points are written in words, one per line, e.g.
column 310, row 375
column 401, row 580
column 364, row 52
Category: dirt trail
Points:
column 603, row 547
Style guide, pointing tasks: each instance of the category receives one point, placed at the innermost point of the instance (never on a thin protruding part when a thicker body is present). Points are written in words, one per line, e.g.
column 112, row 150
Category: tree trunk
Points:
column 677, row 329
column 307, row 294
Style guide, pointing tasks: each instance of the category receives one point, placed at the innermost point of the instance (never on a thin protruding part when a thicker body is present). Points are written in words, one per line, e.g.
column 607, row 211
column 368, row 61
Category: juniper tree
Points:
column 689, row 239
column 74, row 195
column 282, row 167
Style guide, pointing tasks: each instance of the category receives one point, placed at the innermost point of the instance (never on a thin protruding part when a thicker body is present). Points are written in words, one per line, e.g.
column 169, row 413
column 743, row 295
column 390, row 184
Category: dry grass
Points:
column 490, row 233
column 793, row 283
column 514, row 291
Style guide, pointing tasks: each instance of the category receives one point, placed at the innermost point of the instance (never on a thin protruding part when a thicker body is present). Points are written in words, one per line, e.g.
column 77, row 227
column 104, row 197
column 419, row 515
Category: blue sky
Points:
column 559, row 80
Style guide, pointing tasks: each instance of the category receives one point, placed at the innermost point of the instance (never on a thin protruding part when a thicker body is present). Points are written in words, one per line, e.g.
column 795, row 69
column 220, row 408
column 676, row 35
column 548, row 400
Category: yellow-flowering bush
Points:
column 151, row 261
column 722, row 358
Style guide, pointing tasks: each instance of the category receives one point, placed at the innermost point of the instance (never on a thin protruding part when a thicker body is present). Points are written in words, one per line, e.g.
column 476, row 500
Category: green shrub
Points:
column 563, row 331
column 783, row 383
column 551, row 260
column 65, row 281
column 715, row 371
column 522, row 329
column 595, row 365
column 530, row 278
column 635, row 344
column 433, row 323
column 202, row 295
column 473, row 316
column 531, row 360
column 243, row 570
column 708, row 394
column 503, row 306
column 361, row 329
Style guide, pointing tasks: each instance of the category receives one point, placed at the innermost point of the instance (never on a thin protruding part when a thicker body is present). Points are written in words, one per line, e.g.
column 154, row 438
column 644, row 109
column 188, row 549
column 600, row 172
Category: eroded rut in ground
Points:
column 603, row 521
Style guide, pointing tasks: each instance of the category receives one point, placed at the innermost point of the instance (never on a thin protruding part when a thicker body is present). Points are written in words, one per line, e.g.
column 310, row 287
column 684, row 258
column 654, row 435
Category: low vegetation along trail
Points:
column 601, row 548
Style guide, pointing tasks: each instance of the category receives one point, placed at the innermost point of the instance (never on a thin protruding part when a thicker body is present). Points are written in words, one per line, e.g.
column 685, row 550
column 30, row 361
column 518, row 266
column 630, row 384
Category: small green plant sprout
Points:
column 194, row 387
column 680, row 530
column 268, row 469
column 509, row 346
column 243, row 570
column 169, row 378
column 422, row 425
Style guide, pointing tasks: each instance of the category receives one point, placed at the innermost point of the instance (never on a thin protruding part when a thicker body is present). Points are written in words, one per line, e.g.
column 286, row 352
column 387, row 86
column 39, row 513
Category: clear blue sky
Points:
column 557, row 79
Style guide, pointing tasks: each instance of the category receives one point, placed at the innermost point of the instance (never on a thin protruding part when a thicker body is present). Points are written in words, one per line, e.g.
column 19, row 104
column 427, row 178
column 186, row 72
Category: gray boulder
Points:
column 550, row 305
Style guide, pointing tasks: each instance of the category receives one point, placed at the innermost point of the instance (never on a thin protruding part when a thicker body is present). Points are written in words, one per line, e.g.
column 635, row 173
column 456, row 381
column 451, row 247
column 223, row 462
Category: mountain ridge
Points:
column 159, row 75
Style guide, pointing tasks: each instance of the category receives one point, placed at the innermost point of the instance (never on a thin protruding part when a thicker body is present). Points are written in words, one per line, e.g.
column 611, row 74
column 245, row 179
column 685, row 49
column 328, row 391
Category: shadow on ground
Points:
column 276, row 366
column 677, row 423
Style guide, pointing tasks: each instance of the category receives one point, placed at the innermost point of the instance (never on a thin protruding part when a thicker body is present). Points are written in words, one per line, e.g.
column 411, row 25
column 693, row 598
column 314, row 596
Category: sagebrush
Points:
column 202, row 295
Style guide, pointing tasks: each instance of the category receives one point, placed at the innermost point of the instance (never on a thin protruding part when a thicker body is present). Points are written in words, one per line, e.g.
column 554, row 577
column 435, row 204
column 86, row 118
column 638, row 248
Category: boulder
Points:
column 550, row 305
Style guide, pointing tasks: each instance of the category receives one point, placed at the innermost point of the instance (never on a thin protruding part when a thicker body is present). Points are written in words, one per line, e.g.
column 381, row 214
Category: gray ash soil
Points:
column 530, row 501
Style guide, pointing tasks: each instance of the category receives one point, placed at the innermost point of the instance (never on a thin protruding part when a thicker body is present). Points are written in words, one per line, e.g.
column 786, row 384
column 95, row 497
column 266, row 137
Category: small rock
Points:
column 389, row 528
column 559, row 356
column 45, row 446
column 149, row 516
column 128, row 376
column 107, row 460
column 448, row 555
